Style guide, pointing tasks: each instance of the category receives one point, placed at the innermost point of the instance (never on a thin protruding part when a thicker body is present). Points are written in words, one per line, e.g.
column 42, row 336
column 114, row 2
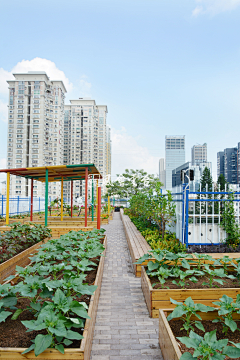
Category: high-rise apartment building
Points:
column 86, row 140
column 174, row 156
column 35, row 128
column 162, row 172
column 199, row 154
column 228, row 164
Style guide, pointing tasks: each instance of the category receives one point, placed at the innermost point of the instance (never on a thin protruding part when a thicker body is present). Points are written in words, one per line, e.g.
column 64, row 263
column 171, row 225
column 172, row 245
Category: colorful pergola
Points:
column 58, row 173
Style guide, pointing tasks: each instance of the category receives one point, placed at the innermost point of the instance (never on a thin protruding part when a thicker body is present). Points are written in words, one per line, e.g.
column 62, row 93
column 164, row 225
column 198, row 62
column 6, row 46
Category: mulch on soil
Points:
column 228, row 283
column 176, row 326
column 13, row 332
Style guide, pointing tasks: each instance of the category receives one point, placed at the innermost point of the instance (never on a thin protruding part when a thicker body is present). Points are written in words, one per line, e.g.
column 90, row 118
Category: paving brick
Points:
column 123, row 329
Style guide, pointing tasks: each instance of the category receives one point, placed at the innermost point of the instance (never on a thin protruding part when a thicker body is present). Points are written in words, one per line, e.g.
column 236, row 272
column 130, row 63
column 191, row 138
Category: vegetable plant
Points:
column 53, row 283
column 208, row 347
column 226, row 311
column 186, row 310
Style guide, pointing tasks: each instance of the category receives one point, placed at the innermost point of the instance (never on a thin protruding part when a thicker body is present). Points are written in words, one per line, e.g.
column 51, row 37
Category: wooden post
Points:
column 31, row 207
column 108, row 205
column 99, row 209
column 92, row 197
column 7, row 199
column 46, row 197
column 62, row 198
column 97, row 199
column 71, row 198
column 86, row 195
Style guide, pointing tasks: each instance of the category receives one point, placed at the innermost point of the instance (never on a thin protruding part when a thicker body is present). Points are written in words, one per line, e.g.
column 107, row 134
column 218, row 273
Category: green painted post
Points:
column 92, row 199
column 46, row 197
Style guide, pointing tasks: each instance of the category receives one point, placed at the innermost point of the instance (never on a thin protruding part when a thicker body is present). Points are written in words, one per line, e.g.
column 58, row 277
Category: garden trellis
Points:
column 198, row 214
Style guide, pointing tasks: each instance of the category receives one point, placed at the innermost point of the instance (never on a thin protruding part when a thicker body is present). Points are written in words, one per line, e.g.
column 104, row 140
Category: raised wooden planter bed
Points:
column 167, row 341
column 84, row 352
column 22, row 259
column 157, row 299
column 136, row 242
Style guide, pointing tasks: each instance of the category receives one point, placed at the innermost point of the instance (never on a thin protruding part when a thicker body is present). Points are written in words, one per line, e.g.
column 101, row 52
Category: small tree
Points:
column 222, row 182
column 160, row 208
column 130, row 183
column 206, row 179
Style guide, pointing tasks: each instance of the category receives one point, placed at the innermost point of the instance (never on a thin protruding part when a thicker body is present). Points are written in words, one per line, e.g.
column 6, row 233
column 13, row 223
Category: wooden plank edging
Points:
column 160, row 298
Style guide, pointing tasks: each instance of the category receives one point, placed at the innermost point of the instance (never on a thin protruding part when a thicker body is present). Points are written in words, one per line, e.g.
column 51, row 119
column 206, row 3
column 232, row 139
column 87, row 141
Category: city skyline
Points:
column 184, row 80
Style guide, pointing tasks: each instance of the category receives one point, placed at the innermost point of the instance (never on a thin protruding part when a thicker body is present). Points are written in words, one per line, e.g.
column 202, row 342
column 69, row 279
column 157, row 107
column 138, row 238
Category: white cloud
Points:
column 127, row 153
column 214, row 6
column 37, row 64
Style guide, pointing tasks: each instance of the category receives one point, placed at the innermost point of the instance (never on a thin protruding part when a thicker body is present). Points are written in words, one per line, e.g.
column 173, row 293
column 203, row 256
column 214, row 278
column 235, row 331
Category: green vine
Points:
column 229, row 223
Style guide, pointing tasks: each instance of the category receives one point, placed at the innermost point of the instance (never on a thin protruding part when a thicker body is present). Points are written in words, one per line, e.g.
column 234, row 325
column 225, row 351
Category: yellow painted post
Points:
column 62, row 199
column 108, row 205
column 7, row 200
column 97, row 199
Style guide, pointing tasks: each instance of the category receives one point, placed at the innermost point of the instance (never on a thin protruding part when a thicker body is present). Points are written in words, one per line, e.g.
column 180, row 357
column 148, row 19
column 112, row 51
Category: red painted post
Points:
column 86, row 195
column 71, row 198
column 31, row 207
column 99, row 209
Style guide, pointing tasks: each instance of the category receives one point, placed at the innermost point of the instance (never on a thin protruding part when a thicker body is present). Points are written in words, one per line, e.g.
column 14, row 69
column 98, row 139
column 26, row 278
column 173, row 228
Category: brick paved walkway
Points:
column 123, row 329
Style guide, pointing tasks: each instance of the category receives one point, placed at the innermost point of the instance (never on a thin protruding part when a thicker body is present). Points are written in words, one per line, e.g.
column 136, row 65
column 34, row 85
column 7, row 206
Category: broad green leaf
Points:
column 199, row 325
column 232, row 352
column 209, row 337
column 36, row 306
column 175, row 302
column 9, row 301
column 177, row 312
column 58, row 330
column 189, row 302
column 60, row 348
column 29, row 349
column 189, row 342
column 79, row 309
column 185, row 264
column 67, row 342
column 4, row 315
column 73, row 335
column 187, row 356
column 42, row 342
column 231, row 324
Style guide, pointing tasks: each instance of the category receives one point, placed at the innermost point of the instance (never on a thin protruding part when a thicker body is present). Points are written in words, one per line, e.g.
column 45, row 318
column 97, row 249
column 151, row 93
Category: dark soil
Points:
column 176, row 325
column 222, row 248
column 228, row 283
column 13, row 332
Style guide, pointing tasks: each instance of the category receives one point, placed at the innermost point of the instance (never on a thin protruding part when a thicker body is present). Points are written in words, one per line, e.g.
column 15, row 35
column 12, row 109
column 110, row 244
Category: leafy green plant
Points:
column 213, row 274
column 185, row 312
column 208, row 347
column 21, row 237
column 54, row 283
column 226, row 311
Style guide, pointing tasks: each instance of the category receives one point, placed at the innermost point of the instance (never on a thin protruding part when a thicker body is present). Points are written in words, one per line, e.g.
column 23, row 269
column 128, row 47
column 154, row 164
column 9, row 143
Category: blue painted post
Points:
column 183, row 211
column 18, row 199
column 186, row 221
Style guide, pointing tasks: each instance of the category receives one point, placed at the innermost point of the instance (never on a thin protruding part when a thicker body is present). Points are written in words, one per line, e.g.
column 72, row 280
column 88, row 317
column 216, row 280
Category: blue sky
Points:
column 163, row 67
